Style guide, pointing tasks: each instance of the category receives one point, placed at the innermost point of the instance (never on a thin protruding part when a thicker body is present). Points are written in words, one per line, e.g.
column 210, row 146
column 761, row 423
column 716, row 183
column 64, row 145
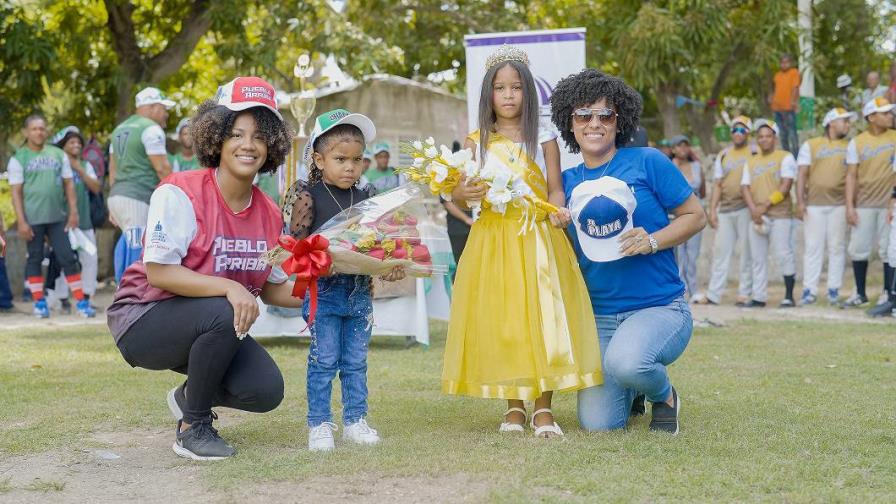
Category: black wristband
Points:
column 893, row 194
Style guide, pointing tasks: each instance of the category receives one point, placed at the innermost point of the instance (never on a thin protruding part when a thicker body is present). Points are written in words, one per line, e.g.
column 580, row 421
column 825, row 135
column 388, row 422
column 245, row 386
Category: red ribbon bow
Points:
column 309, row 260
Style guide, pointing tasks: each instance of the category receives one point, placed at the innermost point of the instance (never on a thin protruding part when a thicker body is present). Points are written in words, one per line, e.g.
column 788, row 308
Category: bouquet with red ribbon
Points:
column 372, row 238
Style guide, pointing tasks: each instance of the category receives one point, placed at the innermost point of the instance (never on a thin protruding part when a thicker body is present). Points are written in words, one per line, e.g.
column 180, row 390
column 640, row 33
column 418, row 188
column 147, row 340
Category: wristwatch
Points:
column 653, row 244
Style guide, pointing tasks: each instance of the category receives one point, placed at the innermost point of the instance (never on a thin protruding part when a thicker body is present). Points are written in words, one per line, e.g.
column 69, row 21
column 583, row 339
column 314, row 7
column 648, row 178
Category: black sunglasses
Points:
column 606, row 116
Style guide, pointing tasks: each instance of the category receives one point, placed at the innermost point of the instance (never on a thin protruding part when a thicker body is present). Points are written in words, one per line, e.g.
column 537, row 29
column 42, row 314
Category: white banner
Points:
column 553, row 55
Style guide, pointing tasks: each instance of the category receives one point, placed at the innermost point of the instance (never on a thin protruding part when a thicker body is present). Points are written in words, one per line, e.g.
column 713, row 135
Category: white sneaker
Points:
column 360, row 433
column 320, row 438
column 883, row 298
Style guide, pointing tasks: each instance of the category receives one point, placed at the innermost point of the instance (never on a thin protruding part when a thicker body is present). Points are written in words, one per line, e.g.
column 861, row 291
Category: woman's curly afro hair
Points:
column 212, row 126
column 586, row 87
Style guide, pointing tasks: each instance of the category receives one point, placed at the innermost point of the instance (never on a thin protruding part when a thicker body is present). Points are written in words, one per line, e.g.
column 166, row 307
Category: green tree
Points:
column 26, row 68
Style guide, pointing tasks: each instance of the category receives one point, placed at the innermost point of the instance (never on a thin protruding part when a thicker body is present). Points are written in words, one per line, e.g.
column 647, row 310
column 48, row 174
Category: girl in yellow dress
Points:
column 521, row 320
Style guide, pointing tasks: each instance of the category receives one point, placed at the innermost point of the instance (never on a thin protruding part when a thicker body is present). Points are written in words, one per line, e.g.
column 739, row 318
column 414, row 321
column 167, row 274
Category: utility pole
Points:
column 807, row 81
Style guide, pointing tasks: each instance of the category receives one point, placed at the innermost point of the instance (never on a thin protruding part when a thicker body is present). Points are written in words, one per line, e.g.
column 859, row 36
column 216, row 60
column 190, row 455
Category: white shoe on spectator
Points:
column 320, row 438
column 360, row 433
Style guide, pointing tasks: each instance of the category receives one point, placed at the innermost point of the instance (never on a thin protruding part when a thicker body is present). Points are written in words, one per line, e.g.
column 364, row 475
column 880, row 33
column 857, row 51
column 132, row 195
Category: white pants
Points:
column 733, row 228
column 780, row 237
column 88, row 272
column 686, row 255
column 130, row 216
column 825, row 228
column 871, row 230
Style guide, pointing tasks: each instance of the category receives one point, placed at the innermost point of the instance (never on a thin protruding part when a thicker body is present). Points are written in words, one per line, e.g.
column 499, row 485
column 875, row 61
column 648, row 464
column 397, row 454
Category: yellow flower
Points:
column 388, row 246
column 366, row 242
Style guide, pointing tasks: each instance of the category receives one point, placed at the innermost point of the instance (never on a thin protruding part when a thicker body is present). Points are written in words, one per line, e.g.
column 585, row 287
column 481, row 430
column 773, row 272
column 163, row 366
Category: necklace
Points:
column 607, row 167
column 351, row 200
column 511, row 153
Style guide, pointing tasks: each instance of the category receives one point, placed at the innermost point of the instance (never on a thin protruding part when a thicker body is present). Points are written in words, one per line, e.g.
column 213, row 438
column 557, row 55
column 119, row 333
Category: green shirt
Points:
column 179, row 163
column 41, row 174
column 83, row 195
column 268, row 183
column 373, row 173
column 134, row 175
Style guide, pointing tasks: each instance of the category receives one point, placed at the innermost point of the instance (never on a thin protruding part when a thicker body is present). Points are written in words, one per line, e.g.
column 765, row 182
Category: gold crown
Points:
column 507, row 53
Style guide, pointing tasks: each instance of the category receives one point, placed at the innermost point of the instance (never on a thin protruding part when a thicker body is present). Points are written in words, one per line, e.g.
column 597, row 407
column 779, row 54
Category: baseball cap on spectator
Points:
column 184, row 123
column 381, row 147
column 744, row 120
column 151, row 96
column 844, row 81
column 246, row 92
column 879, row 104
column 64, row 134
column 768, row 123
column 677, row 139
column 837, row 113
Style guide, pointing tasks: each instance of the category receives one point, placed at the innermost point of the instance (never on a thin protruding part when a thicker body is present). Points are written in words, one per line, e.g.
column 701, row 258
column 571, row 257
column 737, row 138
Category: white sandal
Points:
column 513, row 427
column 555, row 429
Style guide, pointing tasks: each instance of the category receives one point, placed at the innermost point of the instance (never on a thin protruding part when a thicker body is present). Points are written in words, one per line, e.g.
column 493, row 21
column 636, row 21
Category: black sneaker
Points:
column 638, row 406
column 65, row 306
column 201, row 442
column 755, row 304
column 881, row 310
column 665, row 418
column 177, row 400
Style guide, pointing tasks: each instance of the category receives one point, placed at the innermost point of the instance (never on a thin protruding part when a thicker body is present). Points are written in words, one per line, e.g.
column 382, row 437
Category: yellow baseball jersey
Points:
column 729, row 168
column 874, row 157
column 826, row 177
column 763, row 173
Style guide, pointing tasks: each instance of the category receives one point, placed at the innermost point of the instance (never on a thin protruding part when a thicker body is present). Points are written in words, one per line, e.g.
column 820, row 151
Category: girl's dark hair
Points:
column 212, row 125
column 68, row 136
column 586, row 87
column 341, row 132
column 528, row 118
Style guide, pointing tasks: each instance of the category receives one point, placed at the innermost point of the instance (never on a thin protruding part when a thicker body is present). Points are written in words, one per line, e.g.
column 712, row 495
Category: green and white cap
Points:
column 329, row 120
column 381, row 147
column 368, row 155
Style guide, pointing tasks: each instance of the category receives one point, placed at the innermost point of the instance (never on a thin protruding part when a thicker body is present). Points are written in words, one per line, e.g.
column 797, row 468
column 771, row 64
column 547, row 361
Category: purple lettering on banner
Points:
column 525, row 39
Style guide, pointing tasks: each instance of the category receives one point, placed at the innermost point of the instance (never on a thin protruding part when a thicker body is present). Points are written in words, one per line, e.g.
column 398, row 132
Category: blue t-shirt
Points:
column 642, row 281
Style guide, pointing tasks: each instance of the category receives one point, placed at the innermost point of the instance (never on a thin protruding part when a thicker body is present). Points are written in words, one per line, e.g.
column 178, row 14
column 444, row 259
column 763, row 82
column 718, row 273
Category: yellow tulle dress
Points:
column 521, row 319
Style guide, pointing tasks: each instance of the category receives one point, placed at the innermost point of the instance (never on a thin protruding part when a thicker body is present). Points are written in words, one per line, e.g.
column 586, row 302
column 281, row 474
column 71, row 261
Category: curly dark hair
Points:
column 586, row 87
column 344, row 132
column 212, row 124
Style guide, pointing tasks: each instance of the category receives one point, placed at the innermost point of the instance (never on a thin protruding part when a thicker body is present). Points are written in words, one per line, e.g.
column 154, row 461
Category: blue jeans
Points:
column 5, row 291
column 790, row 140
column 340, row 336
column 635, row 347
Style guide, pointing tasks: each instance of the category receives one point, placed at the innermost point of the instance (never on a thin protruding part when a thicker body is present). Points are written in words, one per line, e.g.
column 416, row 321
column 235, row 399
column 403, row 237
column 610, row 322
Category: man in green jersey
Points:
column 137, row 162
column 381, row 176
column 43, row 196
column 186, row 159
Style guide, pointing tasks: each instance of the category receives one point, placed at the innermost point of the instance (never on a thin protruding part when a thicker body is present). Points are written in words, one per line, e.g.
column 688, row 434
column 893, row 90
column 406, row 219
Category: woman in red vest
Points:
column 188, row 304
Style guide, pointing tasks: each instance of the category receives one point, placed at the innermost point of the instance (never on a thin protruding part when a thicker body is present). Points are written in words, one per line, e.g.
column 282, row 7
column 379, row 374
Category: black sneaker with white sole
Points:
column 201, row 442
column 665, row 417
column 177, row 400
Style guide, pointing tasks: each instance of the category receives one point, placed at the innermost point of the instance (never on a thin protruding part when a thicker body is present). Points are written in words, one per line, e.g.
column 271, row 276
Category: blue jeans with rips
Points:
column 340, row 337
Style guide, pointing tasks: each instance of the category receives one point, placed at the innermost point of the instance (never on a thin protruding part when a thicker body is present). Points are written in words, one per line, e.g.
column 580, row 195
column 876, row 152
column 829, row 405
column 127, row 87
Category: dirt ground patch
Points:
column 139, row 466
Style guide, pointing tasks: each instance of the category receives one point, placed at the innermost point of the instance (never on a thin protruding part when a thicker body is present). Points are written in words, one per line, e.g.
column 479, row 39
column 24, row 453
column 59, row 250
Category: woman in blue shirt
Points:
column 620, row 200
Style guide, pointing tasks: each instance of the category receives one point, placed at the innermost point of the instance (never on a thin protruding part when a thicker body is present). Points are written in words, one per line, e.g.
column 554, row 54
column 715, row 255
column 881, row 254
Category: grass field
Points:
column 771, row 411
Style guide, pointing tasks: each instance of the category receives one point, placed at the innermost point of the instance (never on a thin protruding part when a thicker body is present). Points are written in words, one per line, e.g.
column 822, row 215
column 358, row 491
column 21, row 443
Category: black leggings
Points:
column 195, row 336
column 58, row 238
